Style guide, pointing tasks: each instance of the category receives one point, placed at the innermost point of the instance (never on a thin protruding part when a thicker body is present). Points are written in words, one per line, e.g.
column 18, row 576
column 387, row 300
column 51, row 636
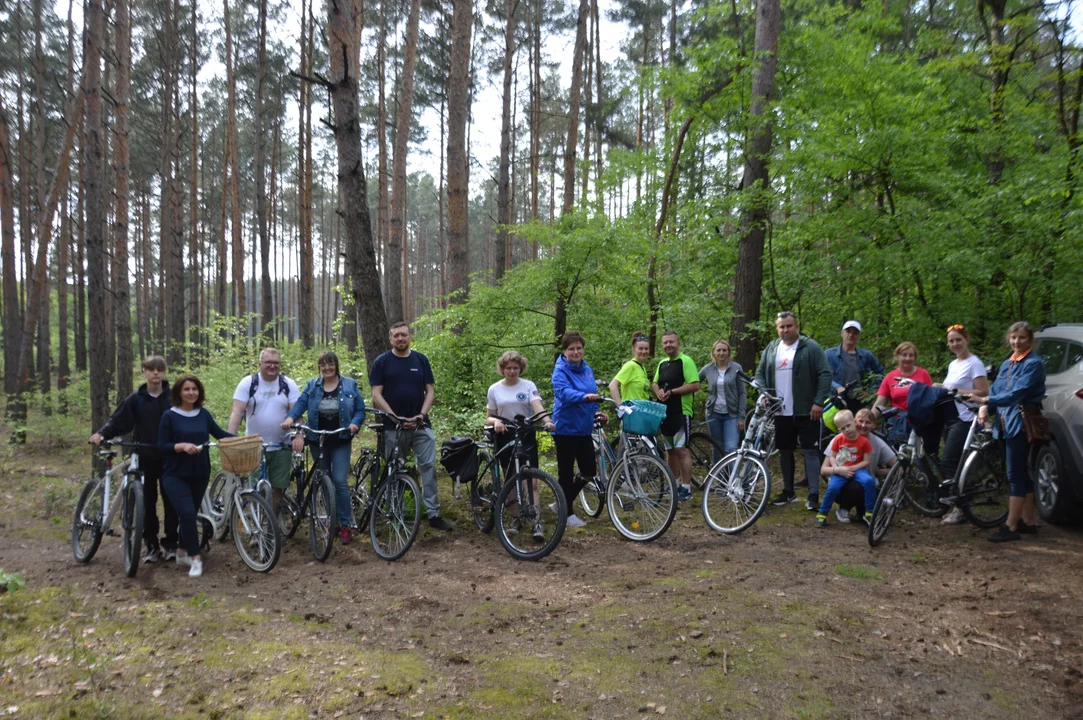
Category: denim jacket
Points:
column 866, row 361
column 351, row 406
column 1018, row 383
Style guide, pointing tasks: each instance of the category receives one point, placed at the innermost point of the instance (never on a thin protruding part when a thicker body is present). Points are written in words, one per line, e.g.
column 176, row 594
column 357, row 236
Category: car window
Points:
column 1052, row 352
column 1075, row 354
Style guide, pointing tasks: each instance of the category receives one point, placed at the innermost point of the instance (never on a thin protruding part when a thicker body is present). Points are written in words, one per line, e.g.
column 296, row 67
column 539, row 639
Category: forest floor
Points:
column 782, row 621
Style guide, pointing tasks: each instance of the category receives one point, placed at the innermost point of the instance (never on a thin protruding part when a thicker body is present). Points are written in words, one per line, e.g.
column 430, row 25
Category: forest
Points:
column 199, row 179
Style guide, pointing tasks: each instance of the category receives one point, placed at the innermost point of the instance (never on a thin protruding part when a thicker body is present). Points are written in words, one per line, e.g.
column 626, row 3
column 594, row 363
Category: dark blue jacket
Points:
column 139, row 414
column 176, row 428
column 572, row 414
column 866, row 361
column 1017, row 383
column 351, row 406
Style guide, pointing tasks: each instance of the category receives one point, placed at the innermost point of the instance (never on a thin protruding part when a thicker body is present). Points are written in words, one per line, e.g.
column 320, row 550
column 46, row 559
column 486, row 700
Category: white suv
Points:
column 1057, row 468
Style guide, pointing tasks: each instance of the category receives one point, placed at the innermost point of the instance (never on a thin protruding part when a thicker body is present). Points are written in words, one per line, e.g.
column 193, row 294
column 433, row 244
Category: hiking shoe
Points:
column 821, row 520
column 345, row 535
column 684, row 494
column 197, row 568
column 813, row 503
column 867, row 518
column 843, row 516
column 538, row 533
column 514, row 526
column 1004, row 534
column 955, row 517
column 784, row 498
column 169, row 555
column 439, row 523
column 575, row 522
column 153, row 555
column 184, row 560
column 1023, row 529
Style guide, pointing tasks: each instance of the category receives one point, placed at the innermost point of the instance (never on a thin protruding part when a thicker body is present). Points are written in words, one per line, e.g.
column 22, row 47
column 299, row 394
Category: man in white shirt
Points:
column 263, row 399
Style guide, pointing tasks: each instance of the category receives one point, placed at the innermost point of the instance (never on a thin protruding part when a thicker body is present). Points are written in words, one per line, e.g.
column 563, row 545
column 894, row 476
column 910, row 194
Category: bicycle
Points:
column 528, row 509
column 256, row 534
column 591, row 498
column 95, row 511
column 314, row 497
column 980, row 481
column 390, row 502
column 703, row 448
column 737, row 487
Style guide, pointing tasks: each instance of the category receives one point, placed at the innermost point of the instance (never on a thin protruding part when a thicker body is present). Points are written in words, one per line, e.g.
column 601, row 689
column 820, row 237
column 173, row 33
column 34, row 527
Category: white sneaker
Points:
column 185, row 560
column 575, row 522
column 843, row 516
column 955, row 517
column 197, row 568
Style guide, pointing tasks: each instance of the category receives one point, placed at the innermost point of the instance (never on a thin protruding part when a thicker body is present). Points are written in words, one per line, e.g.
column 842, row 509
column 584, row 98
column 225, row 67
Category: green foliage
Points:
column 858, row 571
column 10, row 582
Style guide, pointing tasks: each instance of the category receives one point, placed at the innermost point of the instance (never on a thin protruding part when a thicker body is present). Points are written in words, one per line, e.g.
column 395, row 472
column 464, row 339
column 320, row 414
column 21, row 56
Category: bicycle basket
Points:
column 643, row 417
column 459, row 457
column 240, row 455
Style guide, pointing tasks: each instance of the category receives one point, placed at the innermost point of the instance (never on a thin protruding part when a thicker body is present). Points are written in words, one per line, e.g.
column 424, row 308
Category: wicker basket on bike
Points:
column 240, row 455
column 643, row 417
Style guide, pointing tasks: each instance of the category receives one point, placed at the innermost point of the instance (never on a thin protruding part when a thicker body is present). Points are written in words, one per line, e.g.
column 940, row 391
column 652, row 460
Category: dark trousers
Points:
column 574, row 450
column 186, row 493
column 1016, row 454
column 954, row 439
column 152, row 479
column 791, row 431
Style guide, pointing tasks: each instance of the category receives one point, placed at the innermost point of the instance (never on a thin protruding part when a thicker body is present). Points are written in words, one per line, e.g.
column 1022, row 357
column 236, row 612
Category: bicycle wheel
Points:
column 531, row 514
column 86, row 525
column 132, row 525
column 921, row 491
column 321, row 515
column 983, row 486
column 891, row 497
column 702, row 447
column 396, row 516
column 735, row 493
column 255, row 531
column 360, row 497
column 642, row 497
column 214, row 504
column 590, row 499
column 483, row 491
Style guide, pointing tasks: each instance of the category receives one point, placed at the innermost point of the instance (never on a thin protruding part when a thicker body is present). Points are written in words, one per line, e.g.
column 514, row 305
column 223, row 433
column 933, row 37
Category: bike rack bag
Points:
column 459, row 457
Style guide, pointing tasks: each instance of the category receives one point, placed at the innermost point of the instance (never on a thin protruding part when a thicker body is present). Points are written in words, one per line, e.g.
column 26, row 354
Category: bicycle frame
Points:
column 128, row 467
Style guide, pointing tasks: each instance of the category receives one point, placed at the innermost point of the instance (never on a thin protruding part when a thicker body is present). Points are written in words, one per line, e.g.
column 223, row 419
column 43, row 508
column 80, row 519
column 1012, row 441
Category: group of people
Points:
column 172, row 427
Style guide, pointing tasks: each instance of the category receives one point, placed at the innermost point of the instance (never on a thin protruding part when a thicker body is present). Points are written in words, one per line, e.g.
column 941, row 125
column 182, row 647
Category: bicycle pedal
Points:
column 112, row 533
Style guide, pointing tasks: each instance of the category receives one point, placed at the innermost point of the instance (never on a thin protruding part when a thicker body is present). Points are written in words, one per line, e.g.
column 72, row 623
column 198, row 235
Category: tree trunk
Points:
column 222, row 295
column 195, row 243
column 240, row 306
column 12, row 319
column 78, row 256
column 306, row 299
column 381, row 147
column 43, row 335
column 502, row 255
column 755, row 185
column 266, row 300
column 457, row 172
column 122, row 299
column 343, row 27
column 573, row 108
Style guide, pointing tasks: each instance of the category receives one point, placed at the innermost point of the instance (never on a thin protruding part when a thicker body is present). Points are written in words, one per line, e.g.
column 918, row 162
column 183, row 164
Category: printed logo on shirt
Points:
column 521, row 396
column 846, row 455
column 784, row 363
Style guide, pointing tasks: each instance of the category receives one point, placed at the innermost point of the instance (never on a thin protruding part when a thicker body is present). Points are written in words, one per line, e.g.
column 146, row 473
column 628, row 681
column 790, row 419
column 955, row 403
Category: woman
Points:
column 726, row 398
column 1019, row 386
column 895, row 388
column 966, row 374
column 186, row 466
column 575, row 403
column 632, row 381
column 333, row 402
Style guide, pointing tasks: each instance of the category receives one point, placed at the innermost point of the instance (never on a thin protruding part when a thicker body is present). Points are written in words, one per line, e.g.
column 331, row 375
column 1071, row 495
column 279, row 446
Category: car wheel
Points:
column 1051, row 493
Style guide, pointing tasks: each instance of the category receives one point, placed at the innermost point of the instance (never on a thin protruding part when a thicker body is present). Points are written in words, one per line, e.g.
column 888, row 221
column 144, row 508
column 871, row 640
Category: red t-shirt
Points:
column 897, row 386
column 849, row 452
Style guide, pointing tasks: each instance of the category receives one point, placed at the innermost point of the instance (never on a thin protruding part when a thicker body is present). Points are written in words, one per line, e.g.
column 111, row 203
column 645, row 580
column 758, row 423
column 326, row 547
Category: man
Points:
column 676, row 379
column 794, row 368
column 402, row 384
column 849, row 363
column 264, row 399
column 140, row 414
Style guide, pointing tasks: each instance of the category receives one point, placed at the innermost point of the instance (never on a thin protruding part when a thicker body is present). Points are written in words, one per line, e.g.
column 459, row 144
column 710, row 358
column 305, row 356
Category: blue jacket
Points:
column 351, row 406
column 175, row 428
column 572, row 414
column 866, row 361
column 1017, row 383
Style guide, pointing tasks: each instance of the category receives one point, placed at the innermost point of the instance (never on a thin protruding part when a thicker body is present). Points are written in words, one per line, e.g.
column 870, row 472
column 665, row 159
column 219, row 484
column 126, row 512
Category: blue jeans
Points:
column 1016, row 452
column 838, row 482
column 186, row 494
column 335, row 461
column 723, row 428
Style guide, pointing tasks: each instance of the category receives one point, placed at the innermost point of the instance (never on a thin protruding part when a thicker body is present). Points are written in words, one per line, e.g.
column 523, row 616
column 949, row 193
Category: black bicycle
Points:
column 528, row 509
column 311, row 494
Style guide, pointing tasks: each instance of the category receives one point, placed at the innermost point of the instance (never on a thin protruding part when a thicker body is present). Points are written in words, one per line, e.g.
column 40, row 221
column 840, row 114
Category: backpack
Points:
column 283, row 389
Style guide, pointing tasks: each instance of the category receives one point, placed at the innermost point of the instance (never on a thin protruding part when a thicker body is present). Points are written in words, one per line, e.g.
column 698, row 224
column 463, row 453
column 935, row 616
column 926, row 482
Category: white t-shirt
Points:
column 961, row 374
column 784, row 375
column 511, row 400
column 266, row 408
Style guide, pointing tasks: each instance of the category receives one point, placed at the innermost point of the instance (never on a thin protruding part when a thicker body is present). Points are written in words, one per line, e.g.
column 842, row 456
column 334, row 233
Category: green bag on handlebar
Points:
column 829, row 414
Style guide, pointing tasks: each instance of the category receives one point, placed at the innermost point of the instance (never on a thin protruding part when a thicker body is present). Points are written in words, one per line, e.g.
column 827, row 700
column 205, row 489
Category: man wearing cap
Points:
column 849, row 362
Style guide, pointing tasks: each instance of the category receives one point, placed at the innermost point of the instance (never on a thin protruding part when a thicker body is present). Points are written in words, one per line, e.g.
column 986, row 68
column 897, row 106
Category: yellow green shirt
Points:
column 634, row 382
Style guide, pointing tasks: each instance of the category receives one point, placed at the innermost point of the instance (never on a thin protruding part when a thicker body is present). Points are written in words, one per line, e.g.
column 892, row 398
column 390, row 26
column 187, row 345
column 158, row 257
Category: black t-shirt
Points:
column 328, row 411
column 670, row 377
column 403, row 380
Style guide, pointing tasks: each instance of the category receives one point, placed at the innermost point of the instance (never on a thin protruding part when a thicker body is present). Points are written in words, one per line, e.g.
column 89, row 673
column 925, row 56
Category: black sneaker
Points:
column 785, row 498
column 1023, row 529
column 813, row 503
column 513, row 526
column 538, row 533
column 439, row 523
column 153, row 554
column 1004, row 534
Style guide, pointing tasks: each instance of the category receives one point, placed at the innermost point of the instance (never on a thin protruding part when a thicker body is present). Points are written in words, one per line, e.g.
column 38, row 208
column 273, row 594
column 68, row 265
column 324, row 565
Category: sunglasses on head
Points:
column 955, row 328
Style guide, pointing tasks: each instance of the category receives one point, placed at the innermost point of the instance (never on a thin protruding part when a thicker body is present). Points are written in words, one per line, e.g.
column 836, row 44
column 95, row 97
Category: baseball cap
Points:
column 852, row 324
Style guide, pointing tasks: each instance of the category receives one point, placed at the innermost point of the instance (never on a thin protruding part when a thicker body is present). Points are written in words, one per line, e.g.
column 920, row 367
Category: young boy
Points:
column 850, row 457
